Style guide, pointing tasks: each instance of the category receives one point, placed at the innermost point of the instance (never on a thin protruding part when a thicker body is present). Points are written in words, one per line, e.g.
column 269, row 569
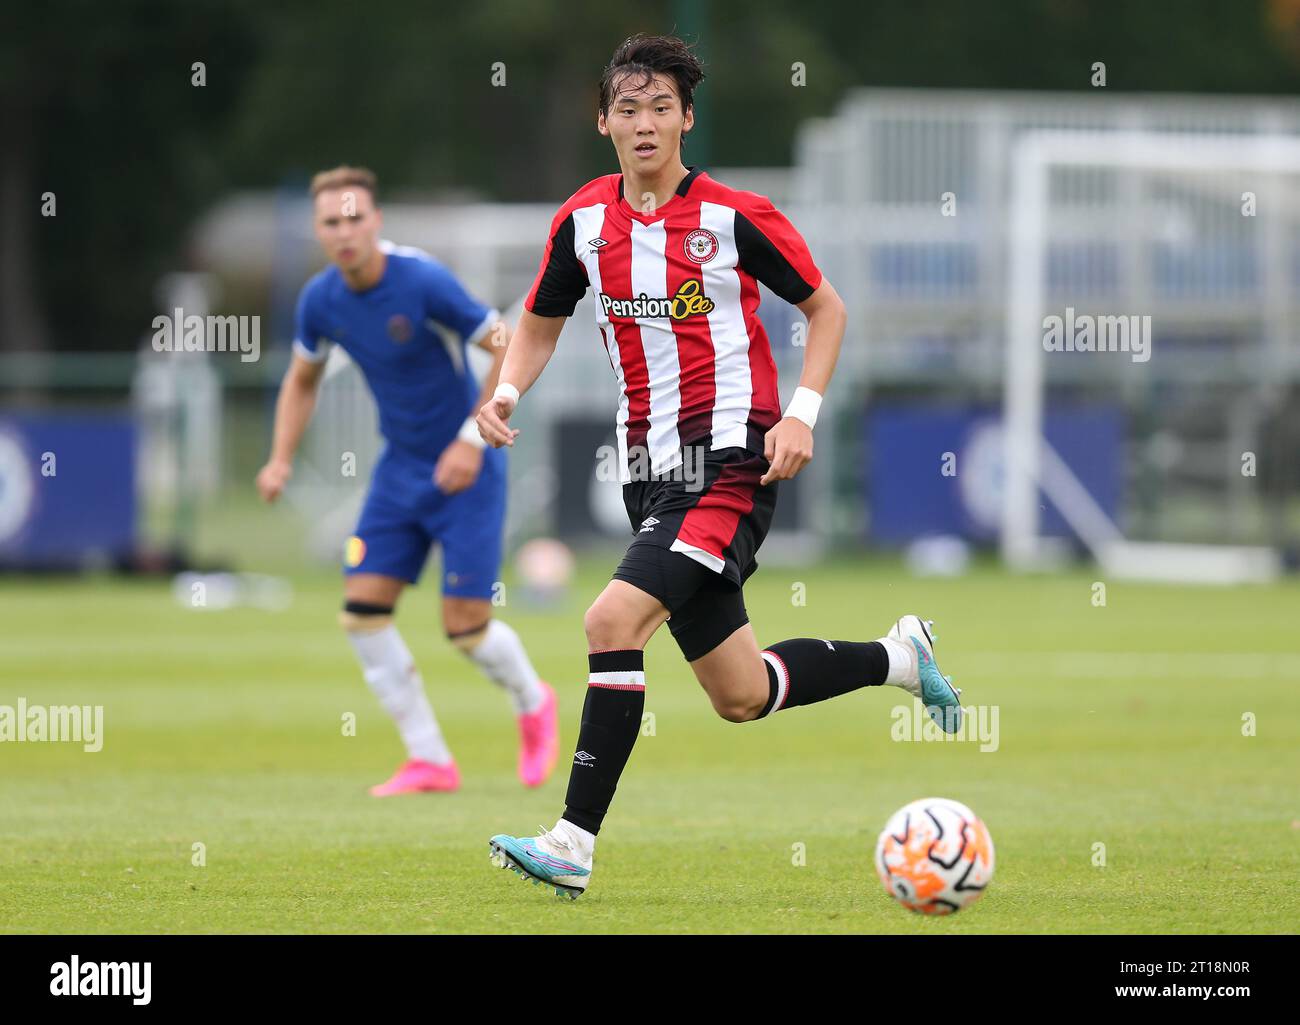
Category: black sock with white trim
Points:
column 804, row 671
column 611, row 720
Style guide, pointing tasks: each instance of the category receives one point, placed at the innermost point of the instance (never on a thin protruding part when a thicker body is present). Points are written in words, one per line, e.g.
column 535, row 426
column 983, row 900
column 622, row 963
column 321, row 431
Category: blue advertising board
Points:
column 938, row 469
column 67, row 489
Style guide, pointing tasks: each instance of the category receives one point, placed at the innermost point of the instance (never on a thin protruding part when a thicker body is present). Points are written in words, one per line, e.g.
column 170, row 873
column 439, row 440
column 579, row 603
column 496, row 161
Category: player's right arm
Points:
column 297, row 398
column 561, row 281
column 293, row 410
column 530, row 349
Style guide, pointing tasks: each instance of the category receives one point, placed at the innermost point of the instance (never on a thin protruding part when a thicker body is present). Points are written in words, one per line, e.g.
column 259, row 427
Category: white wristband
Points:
column 469, row 432
column 804, row 404
column 508, row 390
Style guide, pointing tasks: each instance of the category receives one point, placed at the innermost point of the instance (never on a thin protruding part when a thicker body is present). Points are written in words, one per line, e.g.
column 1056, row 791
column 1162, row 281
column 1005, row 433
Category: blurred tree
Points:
column 494, row 98
column 100, row 111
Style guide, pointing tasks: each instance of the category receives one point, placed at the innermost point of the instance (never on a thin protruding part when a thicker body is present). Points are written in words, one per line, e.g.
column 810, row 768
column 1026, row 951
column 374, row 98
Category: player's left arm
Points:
column 494, row 343
column 788, row 446
column 449, row 304
column 459, row 465
column 770, row 248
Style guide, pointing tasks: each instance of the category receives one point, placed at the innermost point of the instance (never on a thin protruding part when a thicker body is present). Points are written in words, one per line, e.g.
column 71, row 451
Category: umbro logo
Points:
column 582, row 758
column 596, row 243
column 648, row 524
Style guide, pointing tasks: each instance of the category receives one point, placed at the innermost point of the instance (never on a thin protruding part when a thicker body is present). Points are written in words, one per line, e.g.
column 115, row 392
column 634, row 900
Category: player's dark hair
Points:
column 647, row 56
column 343, row 177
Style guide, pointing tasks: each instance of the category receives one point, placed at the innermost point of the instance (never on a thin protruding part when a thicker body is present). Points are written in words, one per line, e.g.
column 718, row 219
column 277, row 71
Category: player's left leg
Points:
column 745, row 683
column 724, row 530
column 496, row 649
column 469, row 526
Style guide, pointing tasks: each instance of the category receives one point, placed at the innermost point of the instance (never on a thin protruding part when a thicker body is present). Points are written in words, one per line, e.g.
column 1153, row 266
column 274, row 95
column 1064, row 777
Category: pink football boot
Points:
column 416, row 776
column 539, row 741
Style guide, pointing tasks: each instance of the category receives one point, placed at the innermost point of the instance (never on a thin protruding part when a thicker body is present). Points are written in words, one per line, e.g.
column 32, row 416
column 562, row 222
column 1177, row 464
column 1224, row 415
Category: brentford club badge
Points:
column 399, row 328
column 701, row 245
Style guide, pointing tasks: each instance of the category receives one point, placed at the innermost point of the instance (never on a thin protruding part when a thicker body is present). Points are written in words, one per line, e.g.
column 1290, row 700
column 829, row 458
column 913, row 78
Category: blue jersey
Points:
column 409, row 334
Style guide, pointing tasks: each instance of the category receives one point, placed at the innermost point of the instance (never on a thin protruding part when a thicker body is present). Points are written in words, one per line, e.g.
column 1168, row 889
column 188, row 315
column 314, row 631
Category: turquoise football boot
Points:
column 941, row 699
column 546, row 859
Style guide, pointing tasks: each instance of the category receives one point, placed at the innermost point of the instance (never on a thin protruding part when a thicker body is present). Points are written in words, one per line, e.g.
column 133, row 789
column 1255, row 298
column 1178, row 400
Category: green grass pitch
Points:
column 1119, row 725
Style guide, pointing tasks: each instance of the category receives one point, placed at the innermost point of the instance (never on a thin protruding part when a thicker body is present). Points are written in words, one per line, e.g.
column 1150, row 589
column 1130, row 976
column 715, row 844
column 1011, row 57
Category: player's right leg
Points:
column 389, row 670
column 618, row 625
column 387, row 552
column 655, row 579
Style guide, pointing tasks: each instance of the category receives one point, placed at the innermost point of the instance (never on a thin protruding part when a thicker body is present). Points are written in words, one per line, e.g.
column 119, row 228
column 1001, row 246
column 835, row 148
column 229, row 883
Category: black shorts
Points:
column 697, row 537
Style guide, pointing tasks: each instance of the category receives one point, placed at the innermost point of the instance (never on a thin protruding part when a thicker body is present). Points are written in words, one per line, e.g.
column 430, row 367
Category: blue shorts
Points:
column 406, row 513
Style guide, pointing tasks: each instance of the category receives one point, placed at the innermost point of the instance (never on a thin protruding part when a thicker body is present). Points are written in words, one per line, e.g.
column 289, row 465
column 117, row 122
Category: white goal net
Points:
column 1159, row 272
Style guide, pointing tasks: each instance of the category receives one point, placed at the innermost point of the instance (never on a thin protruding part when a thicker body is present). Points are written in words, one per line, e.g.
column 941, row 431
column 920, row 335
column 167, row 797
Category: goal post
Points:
column 1031, row 465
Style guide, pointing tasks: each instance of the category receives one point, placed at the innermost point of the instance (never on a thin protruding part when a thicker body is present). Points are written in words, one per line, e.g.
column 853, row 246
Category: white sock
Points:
column 390, row 671
column 501, row 656
column 582, row 842
column 902, row 661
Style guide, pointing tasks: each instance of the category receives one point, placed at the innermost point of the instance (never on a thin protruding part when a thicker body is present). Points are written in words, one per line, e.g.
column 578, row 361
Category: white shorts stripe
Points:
column 699, row 555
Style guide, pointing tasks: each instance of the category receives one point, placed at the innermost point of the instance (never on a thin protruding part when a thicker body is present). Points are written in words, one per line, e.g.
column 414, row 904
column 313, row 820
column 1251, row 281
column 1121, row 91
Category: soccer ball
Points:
column 934, row 856
column 546, row 567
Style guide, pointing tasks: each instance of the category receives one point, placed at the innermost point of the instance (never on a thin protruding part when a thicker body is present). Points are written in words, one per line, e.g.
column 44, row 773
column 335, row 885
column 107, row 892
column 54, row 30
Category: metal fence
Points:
column 905, row 197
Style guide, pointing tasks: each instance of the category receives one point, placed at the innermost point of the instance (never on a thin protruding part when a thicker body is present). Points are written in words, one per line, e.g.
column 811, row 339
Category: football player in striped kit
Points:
column 674, row 260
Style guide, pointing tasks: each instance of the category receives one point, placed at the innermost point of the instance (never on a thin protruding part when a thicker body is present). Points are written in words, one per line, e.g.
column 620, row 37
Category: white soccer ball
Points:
column 934, row 856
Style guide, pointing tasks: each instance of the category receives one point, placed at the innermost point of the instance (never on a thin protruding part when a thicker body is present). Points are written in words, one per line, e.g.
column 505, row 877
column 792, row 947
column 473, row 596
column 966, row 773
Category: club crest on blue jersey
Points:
column 400, row 329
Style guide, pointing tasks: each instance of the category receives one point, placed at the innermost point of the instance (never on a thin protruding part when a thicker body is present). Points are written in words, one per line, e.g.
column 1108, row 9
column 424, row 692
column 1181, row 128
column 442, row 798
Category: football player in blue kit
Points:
column 407, row 323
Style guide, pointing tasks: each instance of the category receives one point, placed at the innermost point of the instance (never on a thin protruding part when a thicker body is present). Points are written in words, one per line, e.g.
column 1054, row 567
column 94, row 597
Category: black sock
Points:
column 611, row 720
column 805, row 671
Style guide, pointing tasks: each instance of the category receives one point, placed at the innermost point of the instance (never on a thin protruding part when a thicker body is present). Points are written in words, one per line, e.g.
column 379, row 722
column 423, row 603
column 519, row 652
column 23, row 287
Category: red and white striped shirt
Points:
column 677, row 306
